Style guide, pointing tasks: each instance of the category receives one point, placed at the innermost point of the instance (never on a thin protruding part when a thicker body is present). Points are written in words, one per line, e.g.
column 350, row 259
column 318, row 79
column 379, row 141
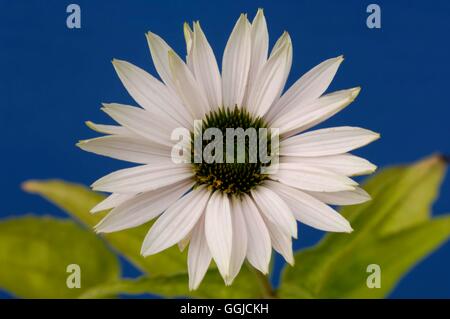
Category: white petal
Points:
column 260, row 43
column 281, row 41
column 187, row 87
column 140, row 122
column 159, row 50
column 142, row 208
column 284, row 38
column 314, row 112
column 259, row 51
column 143, row 178
column 189, row 37
column 182, row 244
column 110, row 129
column 269, row 83
column 176, row 222
column 311, row 211
column 111, row 201
column 131, row 149
column 308, row 88
column 281, row 242
column 312, row 178
column 259, row 248
column 356, row 196
column 239, row 248
column 275, row 210
column 199, row 256
column 345, row 164
column 236, row 63
column 219, row 231
column 329, row 141
column 205, row 68
column 151, row 94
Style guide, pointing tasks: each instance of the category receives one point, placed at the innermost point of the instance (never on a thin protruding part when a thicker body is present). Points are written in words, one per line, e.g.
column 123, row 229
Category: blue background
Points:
column 53, row 78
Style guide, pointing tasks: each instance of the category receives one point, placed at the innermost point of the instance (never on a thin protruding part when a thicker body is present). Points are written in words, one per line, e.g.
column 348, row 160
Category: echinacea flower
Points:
column 228, row 212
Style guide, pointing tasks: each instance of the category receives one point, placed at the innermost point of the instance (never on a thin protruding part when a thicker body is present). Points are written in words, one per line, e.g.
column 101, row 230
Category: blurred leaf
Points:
column 35, row 253
column 176, row 286
column 394, row 230
column 77, row 200
column 167, row 267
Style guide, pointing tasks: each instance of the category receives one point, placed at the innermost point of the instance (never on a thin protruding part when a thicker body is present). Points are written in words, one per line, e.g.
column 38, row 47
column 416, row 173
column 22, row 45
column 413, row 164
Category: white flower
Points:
column 225, row 212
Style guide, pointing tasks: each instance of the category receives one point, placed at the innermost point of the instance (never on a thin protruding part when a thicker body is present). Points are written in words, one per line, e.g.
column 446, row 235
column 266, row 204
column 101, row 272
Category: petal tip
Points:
column 80, row 143
column 90, row 124
column 94, row 210
column 98, row 228
column 355, row 92
column 144, row 252
column 242, row 18
column 118, row 64
column 106, row 106
column 150, row 35
column 228, row 280
column 291, row 260
column 348, row 228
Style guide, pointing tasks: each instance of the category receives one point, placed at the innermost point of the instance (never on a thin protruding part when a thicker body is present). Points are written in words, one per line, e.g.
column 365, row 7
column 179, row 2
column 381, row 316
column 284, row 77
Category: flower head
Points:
column 233, row 207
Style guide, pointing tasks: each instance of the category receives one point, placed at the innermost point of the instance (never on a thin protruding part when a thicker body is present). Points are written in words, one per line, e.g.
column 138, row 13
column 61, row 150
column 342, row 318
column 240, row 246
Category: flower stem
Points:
column 267, row 290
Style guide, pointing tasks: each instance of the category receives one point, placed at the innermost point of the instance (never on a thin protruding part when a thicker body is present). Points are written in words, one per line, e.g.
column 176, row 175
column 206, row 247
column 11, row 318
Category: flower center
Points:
column 235, row 130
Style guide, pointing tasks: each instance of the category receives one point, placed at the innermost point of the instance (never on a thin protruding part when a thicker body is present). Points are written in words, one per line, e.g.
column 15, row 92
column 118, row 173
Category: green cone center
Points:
column 235, row 177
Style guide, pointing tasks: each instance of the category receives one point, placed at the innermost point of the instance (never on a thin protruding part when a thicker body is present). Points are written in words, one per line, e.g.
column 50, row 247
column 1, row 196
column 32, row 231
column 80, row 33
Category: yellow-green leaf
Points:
column 176, row 286
column 167, row 267
column 36, row 251
column 77, row 200
column 394, row 231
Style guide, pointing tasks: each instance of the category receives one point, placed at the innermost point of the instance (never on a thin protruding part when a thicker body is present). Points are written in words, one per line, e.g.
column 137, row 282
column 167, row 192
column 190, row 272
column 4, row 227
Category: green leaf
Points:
column 167, row 267
column 176, row 286
column 35, row 253
column 77, row 200
column 394, row 230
